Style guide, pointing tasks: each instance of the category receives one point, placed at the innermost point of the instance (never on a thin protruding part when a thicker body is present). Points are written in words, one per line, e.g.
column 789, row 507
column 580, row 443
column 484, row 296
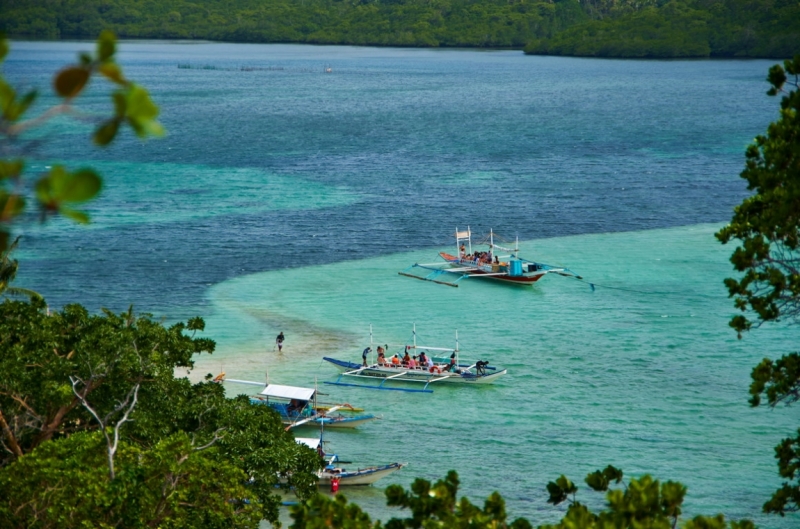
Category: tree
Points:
column 59, row 190
column 643, row 503
column 767, row 224
column 767, row 227
column 8, row 272
column 90, row 403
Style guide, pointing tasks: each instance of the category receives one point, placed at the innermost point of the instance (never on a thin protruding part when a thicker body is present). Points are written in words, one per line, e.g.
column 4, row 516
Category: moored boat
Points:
column 509, row 268
column 297, row 406
column 439, row 370
column 359, row 476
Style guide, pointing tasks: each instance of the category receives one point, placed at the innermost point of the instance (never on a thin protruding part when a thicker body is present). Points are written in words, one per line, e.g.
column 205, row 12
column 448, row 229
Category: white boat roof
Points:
column 310, row 442
column 288, row 392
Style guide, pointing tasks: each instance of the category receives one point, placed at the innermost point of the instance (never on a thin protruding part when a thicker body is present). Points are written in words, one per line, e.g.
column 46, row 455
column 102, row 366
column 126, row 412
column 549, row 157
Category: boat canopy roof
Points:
column 288, row 392
column 310, row 442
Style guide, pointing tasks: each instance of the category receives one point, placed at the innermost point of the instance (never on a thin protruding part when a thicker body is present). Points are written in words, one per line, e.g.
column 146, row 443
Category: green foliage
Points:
column 779, row 381
column 8, row 272
column 186, row 441
column 680, row 28
column 59, row 189
column 767, row 224
column 170, row 485
column 643, row 503
column 611, row 28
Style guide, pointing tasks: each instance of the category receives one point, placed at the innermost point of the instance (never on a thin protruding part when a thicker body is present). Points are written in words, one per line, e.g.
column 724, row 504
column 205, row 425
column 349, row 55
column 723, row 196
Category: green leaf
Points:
column 48, row 187
column 120, row 104
column 81, row 186
column 61, row 186
column 16, row 109
column 11, row 168
column 141, row 112
column 597, row 481
column 78, row 216
column 11, row 205
column 7, row 95
column 70, row 81
column 106, row 132
column 106, row 45
column 140, row 106
column 113, row 72
column 4, row 47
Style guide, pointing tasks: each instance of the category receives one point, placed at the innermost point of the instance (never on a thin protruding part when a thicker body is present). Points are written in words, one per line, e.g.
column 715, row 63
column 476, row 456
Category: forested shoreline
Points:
column 603, row 28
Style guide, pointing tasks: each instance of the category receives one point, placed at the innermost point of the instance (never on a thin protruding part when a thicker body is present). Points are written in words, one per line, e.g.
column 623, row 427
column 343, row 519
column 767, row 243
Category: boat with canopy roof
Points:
column 445, row 367
column 298, row 406
column 489, row 264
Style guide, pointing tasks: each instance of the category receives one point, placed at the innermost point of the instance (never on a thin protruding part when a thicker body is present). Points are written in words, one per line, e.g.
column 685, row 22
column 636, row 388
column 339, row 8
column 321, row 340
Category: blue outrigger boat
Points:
column 444, row 370
column 298, row 406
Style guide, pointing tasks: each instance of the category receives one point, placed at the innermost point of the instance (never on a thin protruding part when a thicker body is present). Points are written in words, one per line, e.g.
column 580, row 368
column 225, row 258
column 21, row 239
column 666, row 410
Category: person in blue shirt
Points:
column 364, row 355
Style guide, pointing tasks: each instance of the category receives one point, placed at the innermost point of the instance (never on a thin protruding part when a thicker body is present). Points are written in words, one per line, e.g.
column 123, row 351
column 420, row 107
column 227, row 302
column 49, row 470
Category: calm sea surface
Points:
column 286, row 199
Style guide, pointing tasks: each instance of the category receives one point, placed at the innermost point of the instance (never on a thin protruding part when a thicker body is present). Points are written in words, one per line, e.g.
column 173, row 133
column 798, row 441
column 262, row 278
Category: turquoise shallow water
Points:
column 643, row 373
column 285, row 198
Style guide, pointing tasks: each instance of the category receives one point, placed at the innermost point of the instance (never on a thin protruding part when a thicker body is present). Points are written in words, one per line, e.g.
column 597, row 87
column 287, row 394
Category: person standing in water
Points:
column 279, row 341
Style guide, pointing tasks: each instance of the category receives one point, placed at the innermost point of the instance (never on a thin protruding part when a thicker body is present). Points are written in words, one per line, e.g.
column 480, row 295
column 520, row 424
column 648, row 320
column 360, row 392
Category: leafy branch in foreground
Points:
column 767, row 224
column 642, row 503
column 96, row 430
column 8, row 273
column 59, row 190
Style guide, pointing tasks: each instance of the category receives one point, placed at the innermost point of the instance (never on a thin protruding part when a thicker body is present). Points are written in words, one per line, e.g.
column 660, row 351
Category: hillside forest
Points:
column 599, row 28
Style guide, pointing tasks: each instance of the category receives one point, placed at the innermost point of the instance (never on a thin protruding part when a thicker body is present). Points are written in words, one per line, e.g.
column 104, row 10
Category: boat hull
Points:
column 486, row 272
column 365, row 476
column 328, row 421
column 401, row 374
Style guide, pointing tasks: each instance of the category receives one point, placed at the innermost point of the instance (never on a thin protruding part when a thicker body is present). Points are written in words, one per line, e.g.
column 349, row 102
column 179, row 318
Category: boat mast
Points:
column 463, row 236
column 491, row 254
column 415, row 336
column 516, row 247
column 457, row 347
column 370, row 342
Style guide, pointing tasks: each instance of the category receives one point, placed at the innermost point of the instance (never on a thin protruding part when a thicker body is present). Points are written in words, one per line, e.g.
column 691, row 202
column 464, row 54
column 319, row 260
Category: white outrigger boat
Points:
column 298, row 406
column 445, row 370
column 509, row 268
column 361, row 476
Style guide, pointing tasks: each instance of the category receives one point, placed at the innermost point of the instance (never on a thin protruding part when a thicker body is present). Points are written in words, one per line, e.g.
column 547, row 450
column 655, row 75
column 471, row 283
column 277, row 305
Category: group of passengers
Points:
column 480, row 258
column 407, row 361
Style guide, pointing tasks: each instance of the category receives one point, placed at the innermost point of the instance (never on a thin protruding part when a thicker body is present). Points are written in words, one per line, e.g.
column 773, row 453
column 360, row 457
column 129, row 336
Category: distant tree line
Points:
column 612, row 28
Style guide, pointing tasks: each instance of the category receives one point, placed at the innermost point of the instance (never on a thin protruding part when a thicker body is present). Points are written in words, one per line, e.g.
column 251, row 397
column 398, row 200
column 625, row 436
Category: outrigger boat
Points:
column 445, row 369
column 465, row 263
column 362, row 476
column 298, row 406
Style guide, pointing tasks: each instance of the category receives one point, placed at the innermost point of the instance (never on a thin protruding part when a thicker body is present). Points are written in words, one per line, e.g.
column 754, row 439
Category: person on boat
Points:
column 294, row 406
column 381, row 357
column 412, row 362
column 406, row 359
column 422, row 359
column 364, row 355
column 279, row 341
column 452, row 364
column 463, row 251
column 395, row 361
column 480, row 367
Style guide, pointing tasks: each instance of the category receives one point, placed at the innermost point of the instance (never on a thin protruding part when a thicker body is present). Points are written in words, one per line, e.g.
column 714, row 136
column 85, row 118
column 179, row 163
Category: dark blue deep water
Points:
column 389, row 151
